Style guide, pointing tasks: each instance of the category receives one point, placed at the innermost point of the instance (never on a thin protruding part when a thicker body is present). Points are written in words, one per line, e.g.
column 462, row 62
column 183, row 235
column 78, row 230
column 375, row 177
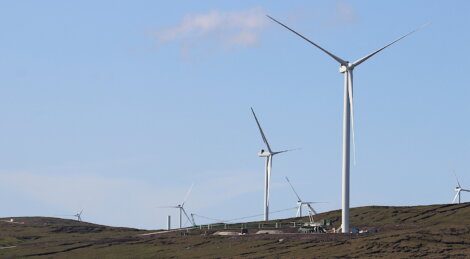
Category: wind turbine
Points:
column 79, row 215
column 181, row 208
column 301, row 204
column 269, row 162
column 346, row 68
column 458, row 189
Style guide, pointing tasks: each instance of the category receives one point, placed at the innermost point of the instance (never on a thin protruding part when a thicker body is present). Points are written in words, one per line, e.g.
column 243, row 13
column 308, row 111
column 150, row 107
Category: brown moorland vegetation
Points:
column 433, row 231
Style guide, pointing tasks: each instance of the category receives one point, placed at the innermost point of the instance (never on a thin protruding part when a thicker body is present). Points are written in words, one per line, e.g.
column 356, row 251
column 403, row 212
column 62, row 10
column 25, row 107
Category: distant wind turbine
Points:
column 79, row 215
column 458, row 190
column 346, row 68
column 301, row 203
column 181, row 208
column 269, row 161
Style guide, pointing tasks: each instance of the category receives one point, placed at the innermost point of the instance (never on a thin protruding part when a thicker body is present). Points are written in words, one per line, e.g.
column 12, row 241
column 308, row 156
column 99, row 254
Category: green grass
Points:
column 403, row 232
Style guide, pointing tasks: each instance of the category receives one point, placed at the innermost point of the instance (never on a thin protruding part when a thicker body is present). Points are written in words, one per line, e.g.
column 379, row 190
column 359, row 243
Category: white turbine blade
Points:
column 184, row 212
column 351, row 110
column 292, row 187
column 187, row 195
column 455, row 197
column 359, row 61
column 339, row 60
column 456, row 178
column 270, row 168
column 283, row 151
column 311, row 209
column 192, row 218
column 167, row 207
column 261, row 131
column 80, row 212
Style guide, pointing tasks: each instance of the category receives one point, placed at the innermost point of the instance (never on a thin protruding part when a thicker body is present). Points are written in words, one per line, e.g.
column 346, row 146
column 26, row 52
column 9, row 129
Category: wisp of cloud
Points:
column 236, row 28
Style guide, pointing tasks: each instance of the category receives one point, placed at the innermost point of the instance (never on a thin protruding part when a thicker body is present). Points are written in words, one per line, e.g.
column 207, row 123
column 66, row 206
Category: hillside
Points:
column 426, row 231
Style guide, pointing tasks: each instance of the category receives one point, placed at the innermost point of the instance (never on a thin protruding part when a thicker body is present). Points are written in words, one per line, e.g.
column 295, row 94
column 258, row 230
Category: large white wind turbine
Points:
column 345, row 68
column 181, row 209
column 301, row 203
column 458, row 190
column 269, row 162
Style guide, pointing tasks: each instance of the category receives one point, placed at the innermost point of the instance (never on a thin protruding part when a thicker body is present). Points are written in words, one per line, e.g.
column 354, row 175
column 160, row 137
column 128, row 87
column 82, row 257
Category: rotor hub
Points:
column 346, row 67
column 264, row 153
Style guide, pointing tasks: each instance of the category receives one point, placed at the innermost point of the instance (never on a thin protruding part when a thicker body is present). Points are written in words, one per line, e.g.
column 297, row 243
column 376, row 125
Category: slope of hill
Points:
column 425, row 231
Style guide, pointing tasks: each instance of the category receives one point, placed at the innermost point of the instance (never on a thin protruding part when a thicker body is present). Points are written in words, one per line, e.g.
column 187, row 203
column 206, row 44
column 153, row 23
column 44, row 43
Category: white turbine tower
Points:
column 458, row 190
column 345, row 68
column 301, row 203
column 79, row 215
column 269, row 162
column 181, row 209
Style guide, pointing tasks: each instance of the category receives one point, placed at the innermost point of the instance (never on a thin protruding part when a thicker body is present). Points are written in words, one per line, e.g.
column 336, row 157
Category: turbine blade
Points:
column 187, row 195
column 64, row 215
column 269, row 162
column 292, row 187
column 456, row 178
column 261, row 131
column 311, row 209
column 455, row 197
column 359, row 61
column 184, row 212
column 339, row 60
column 192, row 218
column 167, row 207
column 283, row 151
column 351, row 110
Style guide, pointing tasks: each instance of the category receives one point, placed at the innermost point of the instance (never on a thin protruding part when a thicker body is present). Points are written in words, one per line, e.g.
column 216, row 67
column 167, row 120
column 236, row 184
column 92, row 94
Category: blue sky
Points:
column 117, row 107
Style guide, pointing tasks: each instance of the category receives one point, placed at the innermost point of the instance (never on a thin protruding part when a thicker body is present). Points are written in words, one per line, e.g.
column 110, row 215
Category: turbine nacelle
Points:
column 264, row 153
column 345, row 67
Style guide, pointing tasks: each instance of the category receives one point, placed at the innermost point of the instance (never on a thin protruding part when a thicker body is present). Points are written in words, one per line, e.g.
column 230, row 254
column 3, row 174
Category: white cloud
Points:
column 344, row 13
column 237, row 28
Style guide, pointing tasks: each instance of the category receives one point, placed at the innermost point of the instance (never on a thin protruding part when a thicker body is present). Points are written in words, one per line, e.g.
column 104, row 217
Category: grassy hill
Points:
column 425, row 231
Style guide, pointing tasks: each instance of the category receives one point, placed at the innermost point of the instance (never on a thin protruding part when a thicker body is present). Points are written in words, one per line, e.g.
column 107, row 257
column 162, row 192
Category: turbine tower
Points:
column 346, row 68
column 79, row 215
column 181, row 209
column 301, row 204
column 268, row 154
column 458, row 189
